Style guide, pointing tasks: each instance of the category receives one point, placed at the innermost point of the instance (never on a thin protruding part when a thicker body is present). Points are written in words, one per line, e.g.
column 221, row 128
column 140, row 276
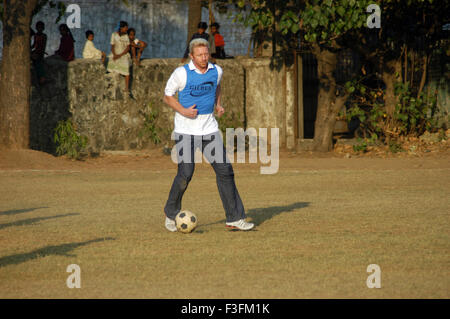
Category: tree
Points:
column 325, row 24
column 399, row 52
column 194, row 17
column 409, row 31
column 15, row 73
column 15, row 85
column 322, row 25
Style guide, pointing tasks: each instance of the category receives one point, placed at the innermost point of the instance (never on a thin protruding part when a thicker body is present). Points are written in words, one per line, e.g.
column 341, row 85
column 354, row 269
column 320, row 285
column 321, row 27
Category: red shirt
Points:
column 66, row 48
column 40, row 41
column 218, row 39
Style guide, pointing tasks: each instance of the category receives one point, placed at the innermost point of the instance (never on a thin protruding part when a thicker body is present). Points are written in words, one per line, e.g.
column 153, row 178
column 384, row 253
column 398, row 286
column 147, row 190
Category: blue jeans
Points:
column 232, row 203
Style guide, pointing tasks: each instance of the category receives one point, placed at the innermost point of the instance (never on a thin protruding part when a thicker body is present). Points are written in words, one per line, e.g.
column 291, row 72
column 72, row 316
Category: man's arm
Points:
column 142, row 44
column 190, row 112
column 176, row 82
column 220, row 110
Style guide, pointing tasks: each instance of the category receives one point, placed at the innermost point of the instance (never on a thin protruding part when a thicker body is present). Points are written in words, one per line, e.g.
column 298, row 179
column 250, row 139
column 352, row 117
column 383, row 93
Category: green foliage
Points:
column 395, row 147
column 414, row 114
column 68, row 141
column 361, row 146
column 229, row 120
column 150, row 129
column 274, row 22
column 58, row 5
column 326, row 20
column 363, row 143
column 367, row 106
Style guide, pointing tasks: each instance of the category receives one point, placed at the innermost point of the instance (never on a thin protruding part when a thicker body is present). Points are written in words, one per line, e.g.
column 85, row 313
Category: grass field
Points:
column 317, row 231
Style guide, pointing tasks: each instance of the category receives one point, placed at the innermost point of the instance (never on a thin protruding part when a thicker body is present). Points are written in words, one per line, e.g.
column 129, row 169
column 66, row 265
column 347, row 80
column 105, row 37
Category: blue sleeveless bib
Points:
column 200, row 89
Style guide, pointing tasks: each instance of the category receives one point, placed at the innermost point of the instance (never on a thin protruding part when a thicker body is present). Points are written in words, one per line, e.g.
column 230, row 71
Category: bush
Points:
column 414, row 114
column 68, row 141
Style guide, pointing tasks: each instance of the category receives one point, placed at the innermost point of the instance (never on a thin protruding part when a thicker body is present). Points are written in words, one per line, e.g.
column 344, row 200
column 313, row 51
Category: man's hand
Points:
column 190, row 112
column 220, row 110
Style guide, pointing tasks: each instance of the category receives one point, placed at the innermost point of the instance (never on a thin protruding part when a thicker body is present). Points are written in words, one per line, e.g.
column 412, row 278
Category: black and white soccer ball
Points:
column 186, row 221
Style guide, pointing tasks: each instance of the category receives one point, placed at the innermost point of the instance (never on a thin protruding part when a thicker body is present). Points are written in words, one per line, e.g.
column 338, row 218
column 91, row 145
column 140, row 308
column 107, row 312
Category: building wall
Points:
column 160, row 23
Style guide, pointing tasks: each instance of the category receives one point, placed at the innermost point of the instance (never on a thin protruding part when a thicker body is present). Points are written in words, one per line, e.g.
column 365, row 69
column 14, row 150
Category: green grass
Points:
column 317, row 231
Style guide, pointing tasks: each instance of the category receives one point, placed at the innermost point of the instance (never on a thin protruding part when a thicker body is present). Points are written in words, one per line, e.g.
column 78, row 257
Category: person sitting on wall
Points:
column 66, row 48
column 90, row 51
column 201, row 34
column 136, row 46
column 38, row 51
column 219, row 41
column 119, row 60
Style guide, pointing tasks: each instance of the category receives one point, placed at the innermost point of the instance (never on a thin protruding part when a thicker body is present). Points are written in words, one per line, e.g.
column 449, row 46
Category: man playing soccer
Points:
column 198, row 87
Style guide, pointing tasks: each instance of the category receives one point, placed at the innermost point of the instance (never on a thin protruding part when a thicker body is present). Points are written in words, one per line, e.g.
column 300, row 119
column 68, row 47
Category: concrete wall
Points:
column 160, row 23
column 253, row 96
column 270, row 98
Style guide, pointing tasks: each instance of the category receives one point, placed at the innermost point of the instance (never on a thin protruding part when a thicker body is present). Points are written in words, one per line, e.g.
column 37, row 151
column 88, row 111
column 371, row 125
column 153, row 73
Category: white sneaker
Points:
column 170, row 225
column 241, row 224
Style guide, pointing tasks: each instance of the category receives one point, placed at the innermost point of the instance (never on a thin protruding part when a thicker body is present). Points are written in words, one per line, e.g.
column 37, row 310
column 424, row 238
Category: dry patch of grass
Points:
column 317, row 231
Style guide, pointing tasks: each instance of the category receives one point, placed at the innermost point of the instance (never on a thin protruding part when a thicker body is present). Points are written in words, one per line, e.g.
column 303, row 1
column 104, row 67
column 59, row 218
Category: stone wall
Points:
column 96, row 102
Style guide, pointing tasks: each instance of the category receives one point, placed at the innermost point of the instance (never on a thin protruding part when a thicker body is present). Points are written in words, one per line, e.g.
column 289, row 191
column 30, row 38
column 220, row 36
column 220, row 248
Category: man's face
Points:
column 213, row 29
column 201, row 30
column 132, row 36
column 200, row 56
column 91, row 37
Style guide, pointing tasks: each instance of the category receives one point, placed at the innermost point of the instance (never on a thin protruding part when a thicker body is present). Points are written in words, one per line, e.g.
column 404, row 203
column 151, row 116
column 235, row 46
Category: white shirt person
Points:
column 203, row 124
column 89, row 50
column 199, row 93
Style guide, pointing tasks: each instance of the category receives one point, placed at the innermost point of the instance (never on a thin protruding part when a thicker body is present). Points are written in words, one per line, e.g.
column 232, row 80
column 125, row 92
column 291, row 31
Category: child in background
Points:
column 38, row 51
column 119, row 60
column 90, row 51
column 218, row 39
column 201, row 33
column 137, row 46
column 66, row 48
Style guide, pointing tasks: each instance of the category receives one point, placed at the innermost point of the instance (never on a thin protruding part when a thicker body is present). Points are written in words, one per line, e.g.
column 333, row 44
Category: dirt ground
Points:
column 320, row 221
column 415, row 155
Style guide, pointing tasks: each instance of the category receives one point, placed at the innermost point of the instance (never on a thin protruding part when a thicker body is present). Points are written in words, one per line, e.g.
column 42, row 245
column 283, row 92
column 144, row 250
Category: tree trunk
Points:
column 328, row 104
column 194, row 17
column 391, row 74
column 15, row 74
column 426, row 60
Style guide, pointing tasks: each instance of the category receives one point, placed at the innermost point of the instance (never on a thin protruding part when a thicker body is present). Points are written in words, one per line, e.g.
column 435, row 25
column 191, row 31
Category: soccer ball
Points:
column 186, row 221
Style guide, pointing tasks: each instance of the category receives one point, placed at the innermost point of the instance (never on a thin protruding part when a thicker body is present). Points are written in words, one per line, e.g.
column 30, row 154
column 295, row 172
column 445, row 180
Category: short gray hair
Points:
column 199, row 42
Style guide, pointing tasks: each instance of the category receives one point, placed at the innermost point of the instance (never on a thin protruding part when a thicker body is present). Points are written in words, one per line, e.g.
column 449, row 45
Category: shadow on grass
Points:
column 31, row 221
column 20, row 211
column 260, row 215
column 59, row 250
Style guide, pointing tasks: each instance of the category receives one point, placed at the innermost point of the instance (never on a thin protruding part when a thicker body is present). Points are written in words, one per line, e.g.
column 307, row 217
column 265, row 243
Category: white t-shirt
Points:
column 202, row 124
column 90, row 51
